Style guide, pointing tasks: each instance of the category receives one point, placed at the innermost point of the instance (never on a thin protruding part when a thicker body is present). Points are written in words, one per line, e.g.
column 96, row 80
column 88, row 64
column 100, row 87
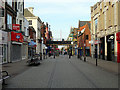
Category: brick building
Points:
column 83, row 39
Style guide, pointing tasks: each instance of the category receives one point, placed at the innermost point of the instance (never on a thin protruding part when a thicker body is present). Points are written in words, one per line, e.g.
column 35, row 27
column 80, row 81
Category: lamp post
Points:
column 84, row 47
column 96, row 50
column 78, row 40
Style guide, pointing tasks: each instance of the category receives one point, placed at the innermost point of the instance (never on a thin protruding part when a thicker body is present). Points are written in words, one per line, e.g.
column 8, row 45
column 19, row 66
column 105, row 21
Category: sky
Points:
column 61, row 15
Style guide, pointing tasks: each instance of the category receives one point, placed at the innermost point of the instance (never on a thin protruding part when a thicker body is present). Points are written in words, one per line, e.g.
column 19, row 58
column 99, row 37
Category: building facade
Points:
column 73, row 37
column 3, row 34
column 105, row 24
column 36, row 23
column 32, row 42
column 83, row 40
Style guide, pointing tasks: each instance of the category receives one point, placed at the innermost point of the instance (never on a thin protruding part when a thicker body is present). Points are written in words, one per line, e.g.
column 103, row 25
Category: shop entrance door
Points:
column 110, row 51
column 3, row 53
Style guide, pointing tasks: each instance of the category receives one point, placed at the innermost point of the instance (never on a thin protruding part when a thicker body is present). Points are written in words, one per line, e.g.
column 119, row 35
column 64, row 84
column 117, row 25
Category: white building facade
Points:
column 36, row 23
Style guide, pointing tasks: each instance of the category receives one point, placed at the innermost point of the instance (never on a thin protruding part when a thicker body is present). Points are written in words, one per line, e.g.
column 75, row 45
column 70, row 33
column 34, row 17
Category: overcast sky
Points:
column 61, row 14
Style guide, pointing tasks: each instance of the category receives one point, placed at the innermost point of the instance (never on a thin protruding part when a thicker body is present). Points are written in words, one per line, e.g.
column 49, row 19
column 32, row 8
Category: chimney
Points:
column 31, row 9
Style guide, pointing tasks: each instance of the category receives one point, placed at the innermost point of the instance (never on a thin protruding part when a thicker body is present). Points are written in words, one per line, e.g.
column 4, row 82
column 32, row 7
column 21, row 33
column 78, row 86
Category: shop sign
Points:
column 97, row 42
column 16, row 26
column 18, row 37
column 118, row 36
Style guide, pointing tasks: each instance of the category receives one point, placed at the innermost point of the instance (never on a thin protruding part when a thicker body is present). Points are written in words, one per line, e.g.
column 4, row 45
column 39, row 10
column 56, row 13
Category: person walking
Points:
column 54, row 54
column 69, row 54
column 43, row 55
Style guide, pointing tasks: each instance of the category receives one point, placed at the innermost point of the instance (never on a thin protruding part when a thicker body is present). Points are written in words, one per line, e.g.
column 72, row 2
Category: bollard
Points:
column 80, row 57
column 54, row 56
column 40, row 56
column 96, row 61
column 69, row 56
column 44, row 56
column 84, row 59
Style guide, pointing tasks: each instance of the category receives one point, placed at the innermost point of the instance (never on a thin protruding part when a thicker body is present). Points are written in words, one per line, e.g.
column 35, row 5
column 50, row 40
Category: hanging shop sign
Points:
column 18, row 37
column 118, row 36
column 32, row 44
column 16, row 26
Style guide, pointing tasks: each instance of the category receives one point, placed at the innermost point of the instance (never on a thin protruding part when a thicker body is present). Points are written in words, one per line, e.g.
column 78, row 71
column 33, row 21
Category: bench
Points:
column 5, row 76
column 33, row 61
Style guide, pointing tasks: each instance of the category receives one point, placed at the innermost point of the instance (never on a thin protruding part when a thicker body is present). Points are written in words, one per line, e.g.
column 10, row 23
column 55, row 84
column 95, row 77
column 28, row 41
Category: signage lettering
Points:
column 16, row 27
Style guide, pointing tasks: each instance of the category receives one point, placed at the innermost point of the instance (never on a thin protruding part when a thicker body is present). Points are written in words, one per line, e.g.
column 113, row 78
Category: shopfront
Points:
column 102, row 48
column 110, row 47
column 3, row 47
column 16, row 46
column 31, row 49
column 25, row 48
column 87, row 51
column 118, row 47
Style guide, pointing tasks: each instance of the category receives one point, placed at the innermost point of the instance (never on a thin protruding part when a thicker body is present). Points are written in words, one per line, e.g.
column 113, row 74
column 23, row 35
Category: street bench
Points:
column 5, row 76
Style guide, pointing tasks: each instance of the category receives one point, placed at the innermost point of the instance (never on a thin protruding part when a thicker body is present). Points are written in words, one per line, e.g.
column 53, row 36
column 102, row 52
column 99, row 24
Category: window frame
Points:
column 9, row 21
column 9, row 2
column 30, row 22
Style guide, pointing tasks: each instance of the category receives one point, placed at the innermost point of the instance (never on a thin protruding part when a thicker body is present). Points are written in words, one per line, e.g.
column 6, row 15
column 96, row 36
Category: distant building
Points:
column 73, row 37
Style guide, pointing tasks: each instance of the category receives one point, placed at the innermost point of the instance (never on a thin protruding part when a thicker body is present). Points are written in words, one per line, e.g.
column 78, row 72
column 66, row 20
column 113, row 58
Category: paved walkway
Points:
column 107, row 65
column 63, row 72
column 15, row 68
column 18, row 67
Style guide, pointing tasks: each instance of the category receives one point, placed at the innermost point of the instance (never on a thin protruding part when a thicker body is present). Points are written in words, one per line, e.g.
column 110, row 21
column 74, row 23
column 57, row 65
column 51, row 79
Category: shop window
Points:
column 21, row 8
column 96, row 22
column 14, row 22
column 1, row 12
column 18, row 5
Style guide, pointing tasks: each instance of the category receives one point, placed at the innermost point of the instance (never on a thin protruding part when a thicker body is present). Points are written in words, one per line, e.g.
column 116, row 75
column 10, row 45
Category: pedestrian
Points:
column 54, row 54
column 40, row 56
column 44, row 55
column 69, row 54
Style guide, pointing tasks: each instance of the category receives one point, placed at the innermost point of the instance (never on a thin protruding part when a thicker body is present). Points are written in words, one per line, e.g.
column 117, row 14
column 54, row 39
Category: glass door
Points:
column 4, row 53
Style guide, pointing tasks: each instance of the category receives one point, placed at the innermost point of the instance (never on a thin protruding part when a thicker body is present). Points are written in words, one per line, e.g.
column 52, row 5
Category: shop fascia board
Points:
column 13, row 42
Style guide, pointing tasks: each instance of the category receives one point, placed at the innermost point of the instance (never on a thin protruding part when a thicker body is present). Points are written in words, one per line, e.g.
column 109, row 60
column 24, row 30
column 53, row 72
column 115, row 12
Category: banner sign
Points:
column 16, row 26
column 18, row 37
